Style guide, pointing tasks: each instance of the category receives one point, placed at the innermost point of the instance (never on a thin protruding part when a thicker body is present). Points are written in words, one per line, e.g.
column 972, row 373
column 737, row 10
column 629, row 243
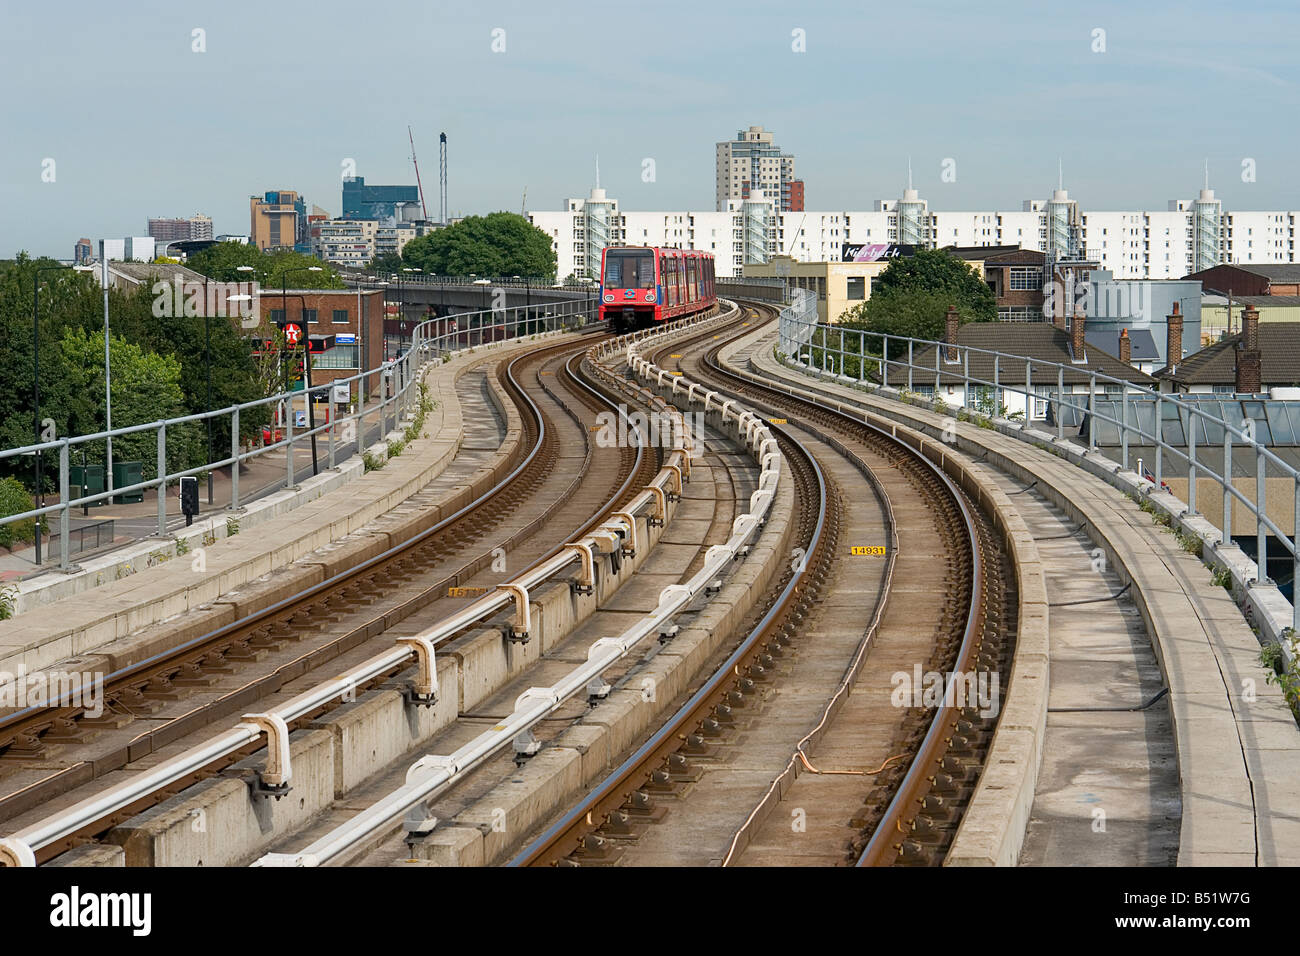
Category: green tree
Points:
column 14, row 500
column 67, row 300
column 912, row 295
column 498, row 244
column 196, row 343
column 222, row 262
column 146, row 388
column 385, row 264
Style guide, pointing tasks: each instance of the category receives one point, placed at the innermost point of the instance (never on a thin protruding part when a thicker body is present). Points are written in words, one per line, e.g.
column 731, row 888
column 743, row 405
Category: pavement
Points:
column 258, row 477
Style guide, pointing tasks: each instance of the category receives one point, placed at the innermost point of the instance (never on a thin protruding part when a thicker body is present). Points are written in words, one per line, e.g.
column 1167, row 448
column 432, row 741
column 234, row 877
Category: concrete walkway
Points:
column 1237, row 744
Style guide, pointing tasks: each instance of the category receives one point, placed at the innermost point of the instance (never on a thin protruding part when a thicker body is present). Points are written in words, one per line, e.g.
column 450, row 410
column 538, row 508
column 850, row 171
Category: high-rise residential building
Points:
column 345, row 242
column 753, row 161
column 83, row 252
column 1189, row 236
column 180, row 230
column 796, row 196
column 278, row 220
column 375, row 202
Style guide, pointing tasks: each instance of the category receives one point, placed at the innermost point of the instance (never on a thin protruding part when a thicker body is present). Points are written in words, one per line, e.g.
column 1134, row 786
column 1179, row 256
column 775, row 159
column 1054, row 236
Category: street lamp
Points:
column 36, row 387
column 306, row 365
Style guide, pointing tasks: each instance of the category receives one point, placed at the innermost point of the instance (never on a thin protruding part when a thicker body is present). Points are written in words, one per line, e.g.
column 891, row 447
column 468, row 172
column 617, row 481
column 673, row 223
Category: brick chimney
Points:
column 1174, row 341
column 1249, row 359
column 1077, row 322
column 1125, row 347
column 1250, row 328
column 952, row 320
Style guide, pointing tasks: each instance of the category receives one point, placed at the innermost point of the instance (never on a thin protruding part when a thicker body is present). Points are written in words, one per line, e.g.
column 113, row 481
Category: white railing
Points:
column 1140, row 417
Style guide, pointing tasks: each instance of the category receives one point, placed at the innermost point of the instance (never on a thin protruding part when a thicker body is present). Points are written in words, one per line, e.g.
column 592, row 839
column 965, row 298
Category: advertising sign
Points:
column 873, row 251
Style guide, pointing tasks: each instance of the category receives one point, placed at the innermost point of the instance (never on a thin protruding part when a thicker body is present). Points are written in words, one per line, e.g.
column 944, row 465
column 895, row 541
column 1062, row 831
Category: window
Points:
column 277, row 316
column 1041, row 395
column 309, row 316
column 341, row 318
column 857, row 287
column 340, row 356
column 629, row 270
column 1026, row 278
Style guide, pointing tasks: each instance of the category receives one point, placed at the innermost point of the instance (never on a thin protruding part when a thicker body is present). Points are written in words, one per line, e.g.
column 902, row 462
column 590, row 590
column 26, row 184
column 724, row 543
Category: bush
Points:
column 14, row 500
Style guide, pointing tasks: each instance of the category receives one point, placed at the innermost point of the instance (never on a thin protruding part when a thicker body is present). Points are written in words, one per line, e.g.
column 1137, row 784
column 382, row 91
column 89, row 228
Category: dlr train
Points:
column 643, row 285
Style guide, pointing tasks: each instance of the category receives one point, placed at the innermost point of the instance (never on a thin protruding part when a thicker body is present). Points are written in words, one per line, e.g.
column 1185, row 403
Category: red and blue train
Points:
column 644, row 285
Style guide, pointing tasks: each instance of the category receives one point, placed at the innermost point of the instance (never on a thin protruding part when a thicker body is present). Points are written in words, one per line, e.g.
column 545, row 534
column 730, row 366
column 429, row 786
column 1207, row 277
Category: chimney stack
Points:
column 952, row 320
column 1125, row 347
column 1249, row 360
column 1250, row 328
column 1174, row 340
column 1077, row 322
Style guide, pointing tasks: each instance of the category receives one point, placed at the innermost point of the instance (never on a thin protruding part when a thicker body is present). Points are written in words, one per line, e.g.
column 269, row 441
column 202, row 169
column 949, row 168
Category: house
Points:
column 1259, row 358
column 1038, row 352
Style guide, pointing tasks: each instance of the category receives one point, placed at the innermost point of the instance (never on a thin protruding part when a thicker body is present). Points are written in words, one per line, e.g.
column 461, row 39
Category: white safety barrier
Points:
column 19, row 849
column 431, row 774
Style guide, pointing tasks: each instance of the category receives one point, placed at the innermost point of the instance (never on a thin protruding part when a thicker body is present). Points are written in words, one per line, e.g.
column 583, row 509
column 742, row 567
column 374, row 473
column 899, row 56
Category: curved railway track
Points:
column 418, row 568
column 911, row 813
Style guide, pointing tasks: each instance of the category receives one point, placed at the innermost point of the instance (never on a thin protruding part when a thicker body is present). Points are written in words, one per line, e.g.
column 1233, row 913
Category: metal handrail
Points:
column 427, row 344
column 798, row 333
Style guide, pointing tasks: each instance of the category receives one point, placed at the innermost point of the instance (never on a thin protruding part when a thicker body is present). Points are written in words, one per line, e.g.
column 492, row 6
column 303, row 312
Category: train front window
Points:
column 630, row 270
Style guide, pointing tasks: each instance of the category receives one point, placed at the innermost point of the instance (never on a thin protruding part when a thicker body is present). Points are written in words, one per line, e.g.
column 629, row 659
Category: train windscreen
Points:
column 629, row 270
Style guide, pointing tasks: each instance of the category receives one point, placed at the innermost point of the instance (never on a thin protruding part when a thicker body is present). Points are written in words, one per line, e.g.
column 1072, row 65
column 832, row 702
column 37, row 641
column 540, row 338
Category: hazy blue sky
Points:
column 139, row 125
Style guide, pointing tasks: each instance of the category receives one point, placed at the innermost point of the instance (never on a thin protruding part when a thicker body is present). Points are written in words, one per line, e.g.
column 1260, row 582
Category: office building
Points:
column 278, row 220
column 376, row 202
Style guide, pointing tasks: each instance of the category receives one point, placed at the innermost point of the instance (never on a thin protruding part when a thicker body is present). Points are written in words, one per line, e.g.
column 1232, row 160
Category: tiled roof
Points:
column 1274, row 272
column 1041, row 342
column 1279, row 348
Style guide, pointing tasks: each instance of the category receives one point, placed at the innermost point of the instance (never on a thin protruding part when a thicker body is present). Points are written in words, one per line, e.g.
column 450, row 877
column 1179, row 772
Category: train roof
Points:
column 662, row 250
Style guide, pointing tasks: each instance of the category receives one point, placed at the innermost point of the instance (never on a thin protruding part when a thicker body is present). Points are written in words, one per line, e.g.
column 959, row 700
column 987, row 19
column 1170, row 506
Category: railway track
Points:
column 270, row 652
column 913, row 766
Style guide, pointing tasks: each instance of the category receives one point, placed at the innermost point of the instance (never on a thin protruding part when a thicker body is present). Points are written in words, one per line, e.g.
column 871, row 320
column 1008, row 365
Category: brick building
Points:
column 1251, row 280
column 346, row 327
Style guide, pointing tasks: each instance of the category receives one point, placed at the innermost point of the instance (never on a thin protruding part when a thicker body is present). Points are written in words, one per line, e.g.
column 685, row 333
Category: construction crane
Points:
column 523, row 206
column 418, row 184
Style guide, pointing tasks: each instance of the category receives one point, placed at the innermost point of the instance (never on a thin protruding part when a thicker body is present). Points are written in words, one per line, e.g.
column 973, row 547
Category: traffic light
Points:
column 189, row 498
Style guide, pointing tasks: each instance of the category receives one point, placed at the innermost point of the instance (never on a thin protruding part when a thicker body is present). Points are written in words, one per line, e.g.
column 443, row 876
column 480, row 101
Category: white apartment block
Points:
column 1188, row 236
column 344, row 242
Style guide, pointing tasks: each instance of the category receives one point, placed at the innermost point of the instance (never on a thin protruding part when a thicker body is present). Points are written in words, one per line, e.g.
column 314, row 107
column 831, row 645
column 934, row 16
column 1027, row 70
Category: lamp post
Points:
column 401, row 311
column 306, row 365
column 36, row 387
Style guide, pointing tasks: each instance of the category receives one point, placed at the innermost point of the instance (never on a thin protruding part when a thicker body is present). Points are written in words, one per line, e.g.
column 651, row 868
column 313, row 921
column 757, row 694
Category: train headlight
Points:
column 609, row 297
column 650, row 296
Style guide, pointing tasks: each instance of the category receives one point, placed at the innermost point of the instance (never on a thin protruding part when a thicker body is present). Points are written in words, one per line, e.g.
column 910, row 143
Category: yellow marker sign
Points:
column 777, row 421
column 464, row 592
column 676, row 355
column 744, row 323
column 676, row 373
column 875, row 549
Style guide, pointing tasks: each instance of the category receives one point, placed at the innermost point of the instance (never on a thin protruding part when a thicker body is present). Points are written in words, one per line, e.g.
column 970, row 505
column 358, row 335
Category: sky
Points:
column 113, row 113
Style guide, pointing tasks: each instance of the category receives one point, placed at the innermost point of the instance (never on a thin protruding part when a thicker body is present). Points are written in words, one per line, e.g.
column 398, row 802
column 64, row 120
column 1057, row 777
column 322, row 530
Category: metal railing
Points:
column 539, row 284
column 890, row 360
column 398, row 393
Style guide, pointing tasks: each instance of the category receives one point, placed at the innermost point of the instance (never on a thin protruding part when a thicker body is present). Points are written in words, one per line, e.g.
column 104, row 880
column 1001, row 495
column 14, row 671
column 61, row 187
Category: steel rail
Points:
column 433, row 773
column 20, row 848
